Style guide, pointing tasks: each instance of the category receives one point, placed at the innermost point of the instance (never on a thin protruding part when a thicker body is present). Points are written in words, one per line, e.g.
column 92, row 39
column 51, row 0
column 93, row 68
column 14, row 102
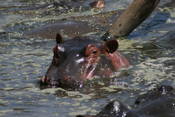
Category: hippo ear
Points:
column 59, row 38
column 112, row 45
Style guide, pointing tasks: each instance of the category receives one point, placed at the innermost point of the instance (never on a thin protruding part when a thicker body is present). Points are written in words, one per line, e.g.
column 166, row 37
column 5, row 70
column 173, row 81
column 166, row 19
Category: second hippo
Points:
column 158, row 102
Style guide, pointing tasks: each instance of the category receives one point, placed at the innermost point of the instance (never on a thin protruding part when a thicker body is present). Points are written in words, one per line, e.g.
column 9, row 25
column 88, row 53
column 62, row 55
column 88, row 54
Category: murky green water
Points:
column 24, row 60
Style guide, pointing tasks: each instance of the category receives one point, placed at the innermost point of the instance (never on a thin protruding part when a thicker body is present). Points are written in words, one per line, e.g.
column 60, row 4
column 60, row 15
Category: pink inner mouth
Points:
column 118, row 60
column 89, row 72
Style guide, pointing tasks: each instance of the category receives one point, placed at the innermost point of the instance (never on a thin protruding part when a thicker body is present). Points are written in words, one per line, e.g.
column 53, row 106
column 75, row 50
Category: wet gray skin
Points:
column 67, row 63
column 24, row 60
column 158, row 102
column 81, row 59
column 63, row 27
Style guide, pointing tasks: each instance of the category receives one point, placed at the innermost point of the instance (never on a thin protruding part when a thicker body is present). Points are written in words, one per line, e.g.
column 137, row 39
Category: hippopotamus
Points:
column 160, row 102
column 160, row 91
column 67, row 28
column 80, row 59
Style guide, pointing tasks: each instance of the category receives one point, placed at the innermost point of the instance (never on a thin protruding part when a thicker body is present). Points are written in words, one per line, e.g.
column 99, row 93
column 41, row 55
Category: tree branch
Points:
column 134, row 15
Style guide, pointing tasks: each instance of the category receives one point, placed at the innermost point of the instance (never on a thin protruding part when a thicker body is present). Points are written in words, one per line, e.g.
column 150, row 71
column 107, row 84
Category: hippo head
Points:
column 114, row 109
column 80, row 59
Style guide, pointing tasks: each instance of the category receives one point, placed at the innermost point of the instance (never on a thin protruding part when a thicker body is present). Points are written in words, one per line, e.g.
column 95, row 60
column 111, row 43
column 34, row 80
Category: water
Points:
column 23, row 61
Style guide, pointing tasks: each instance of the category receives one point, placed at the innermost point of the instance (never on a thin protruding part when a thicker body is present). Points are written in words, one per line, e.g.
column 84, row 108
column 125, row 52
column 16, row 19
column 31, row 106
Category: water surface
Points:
column 23, row 61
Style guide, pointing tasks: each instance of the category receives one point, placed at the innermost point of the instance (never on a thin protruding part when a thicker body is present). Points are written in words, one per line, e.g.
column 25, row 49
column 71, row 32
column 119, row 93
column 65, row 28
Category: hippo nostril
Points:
column 94, row 52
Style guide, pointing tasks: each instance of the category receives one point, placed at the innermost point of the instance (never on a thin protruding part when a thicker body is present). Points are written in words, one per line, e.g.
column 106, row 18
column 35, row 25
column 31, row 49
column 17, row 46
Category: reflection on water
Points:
column 24, row 60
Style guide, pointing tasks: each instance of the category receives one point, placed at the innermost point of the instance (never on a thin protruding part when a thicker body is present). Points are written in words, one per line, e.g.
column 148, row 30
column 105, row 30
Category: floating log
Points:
column 134, row 15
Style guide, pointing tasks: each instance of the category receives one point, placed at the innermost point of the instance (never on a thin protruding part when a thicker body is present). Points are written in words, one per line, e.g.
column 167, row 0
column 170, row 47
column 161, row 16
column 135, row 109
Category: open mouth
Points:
column 89, row 71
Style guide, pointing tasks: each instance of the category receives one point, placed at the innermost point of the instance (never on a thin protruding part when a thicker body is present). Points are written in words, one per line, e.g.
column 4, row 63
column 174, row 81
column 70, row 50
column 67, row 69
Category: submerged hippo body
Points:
column 68, row 28
column 159, row 102
column 80, row 59
column 162, row 107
